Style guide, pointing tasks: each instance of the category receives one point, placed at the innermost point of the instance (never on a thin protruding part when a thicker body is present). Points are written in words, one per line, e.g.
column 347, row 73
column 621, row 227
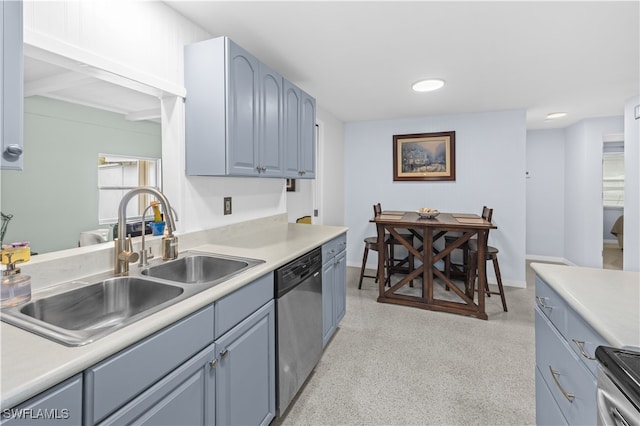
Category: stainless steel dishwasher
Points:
column 298, row 289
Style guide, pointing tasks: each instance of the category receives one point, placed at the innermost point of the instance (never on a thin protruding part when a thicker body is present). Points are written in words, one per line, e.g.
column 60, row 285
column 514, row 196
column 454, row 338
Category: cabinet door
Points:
column 60, row 405
column 184, row 397
column 245, row 376
column 11, row 86
column 328, row 305
column 271, row 132
column 292, row 109
column 340, row 286
column 307, row 167
column 242, row 114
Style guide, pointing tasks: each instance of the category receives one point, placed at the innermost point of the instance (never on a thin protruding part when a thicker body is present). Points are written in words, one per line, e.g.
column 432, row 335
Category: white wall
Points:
column 490, row 170
column 115, row 33
column 331, row 160
column 583, row 189
column 631, row 253
column 545, row 194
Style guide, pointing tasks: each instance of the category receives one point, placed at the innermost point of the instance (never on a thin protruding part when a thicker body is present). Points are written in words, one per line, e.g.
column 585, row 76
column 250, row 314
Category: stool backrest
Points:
column 487, row 213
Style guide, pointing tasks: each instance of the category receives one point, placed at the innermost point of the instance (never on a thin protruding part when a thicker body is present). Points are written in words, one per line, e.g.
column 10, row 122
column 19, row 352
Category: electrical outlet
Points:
column 227, row 205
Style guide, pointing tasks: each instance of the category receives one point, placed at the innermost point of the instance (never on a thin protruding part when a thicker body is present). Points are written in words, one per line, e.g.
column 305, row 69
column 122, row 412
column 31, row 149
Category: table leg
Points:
column 382, row 261
column 482, row 270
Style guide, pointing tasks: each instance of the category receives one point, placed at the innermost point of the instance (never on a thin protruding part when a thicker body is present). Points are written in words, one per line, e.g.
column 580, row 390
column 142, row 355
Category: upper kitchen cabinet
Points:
column 11, row 86
column 233, row 112
column 299, row 133
column 239, row 121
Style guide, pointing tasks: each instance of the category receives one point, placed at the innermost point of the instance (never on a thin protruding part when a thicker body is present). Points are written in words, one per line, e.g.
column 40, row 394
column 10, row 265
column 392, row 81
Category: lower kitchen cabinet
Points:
column 184, row 397
column 334, row 285
column 60, row 405
column 245, row 372
column 566, row 367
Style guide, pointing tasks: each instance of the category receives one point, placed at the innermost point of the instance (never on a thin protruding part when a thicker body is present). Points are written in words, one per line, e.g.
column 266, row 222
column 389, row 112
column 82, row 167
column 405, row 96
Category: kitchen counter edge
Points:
column 31, row 364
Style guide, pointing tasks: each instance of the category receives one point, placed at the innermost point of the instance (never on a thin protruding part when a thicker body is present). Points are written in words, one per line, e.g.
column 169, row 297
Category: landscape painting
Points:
column 424, row 156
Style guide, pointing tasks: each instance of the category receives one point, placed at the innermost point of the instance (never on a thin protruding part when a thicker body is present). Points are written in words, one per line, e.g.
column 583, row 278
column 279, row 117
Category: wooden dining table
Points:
column 428, row 231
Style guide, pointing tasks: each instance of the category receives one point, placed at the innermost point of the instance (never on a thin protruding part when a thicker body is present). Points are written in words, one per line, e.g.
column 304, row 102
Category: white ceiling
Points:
column 359, row 58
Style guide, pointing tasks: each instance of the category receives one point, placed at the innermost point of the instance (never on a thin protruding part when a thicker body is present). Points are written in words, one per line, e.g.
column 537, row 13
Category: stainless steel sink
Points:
column 201, row 268
column 81, row 315
column 78, row 313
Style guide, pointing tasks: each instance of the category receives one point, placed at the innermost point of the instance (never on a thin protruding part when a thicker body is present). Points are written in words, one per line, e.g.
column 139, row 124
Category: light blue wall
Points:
column 583, row 213
column 490, row 170
column 545, row 194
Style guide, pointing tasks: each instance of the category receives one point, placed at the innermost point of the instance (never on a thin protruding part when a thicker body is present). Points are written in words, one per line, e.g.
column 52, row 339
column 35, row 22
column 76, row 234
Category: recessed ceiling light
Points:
column 428, row 85
column 556, row 115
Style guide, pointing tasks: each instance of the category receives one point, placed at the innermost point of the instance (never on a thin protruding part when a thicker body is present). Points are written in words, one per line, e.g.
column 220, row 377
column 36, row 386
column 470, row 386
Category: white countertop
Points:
column 609, row 300
column 31, row 364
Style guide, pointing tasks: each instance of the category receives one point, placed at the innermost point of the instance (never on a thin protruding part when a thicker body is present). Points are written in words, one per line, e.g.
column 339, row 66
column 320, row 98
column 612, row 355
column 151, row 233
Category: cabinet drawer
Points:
column 547, row 411
column 583, row 340
column 572, row 386
column 551, row 305
column 333, row 247
column 117, row 380
column 235, row 307
column 60, row 405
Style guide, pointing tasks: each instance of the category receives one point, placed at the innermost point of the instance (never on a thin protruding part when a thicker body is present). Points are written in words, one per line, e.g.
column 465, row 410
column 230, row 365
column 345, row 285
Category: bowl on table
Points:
column 427, row 213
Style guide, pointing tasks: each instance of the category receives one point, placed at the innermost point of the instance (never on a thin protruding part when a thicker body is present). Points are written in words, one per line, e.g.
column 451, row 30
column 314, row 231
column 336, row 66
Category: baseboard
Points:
column 548, row 259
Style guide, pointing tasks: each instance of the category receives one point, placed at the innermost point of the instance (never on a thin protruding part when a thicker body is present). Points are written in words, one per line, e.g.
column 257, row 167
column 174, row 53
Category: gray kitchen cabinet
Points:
column 334, row 285
column 110, row 384
column 184, row 397
column 245, row 373
column 60, row 405
column 299, row 133
column 565, row 361
column 233, row 112
column 11, row 85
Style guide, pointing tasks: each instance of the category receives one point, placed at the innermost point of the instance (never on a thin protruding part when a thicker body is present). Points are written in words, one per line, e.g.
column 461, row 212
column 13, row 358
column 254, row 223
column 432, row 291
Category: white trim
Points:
column 45, row 48
column 552, row 259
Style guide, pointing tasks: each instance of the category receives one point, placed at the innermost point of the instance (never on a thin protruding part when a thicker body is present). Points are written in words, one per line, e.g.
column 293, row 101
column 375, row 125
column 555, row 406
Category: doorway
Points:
column 613, row 201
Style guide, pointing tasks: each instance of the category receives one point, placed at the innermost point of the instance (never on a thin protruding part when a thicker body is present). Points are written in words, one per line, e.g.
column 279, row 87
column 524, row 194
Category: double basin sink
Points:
column 93, row 309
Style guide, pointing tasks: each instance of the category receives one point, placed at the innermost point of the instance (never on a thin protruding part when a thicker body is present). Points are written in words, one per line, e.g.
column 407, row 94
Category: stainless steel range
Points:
column 618, row 387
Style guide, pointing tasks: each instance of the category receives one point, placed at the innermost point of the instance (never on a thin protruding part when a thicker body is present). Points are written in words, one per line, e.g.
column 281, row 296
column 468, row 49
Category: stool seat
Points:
column 490, row 251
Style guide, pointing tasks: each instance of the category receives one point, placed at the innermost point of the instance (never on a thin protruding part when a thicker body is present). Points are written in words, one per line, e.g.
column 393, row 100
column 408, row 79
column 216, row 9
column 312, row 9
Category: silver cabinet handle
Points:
column 580, row 345
column 570, row 396
column 213, row 363
column 541, row 302
column 224, row 353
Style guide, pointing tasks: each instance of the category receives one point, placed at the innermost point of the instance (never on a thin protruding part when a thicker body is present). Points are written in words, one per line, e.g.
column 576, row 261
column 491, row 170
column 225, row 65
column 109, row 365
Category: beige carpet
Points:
column 396, row 365
column 611, row 256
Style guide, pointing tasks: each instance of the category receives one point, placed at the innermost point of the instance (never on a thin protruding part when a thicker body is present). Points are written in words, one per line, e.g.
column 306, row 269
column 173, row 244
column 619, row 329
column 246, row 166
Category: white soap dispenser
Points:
column 16, row 288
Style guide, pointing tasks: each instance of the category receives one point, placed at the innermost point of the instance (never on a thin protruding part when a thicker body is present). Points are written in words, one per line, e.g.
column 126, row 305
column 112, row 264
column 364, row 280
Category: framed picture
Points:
column 291, row 185
column 424, row 156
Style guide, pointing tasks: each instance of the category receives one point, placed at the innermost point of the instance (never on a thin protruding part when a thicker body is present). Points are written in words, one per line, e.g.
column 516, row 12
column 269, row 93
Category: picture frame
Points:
column 291, row 185
column 424, row 157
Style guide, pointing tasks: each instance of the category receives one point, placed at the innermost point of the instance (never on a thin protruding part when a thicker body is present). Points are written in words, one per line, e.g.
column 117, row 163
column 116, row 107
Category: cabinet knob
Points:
column 213, row 363
column 224, row 353
column 12, row 152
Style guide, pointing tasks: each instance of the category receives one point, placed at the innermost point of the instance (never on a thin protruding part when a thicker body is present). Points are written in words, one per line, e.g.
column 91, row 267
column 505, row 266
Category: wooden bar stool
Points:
column 491, row 253
column 370, row 243
column 395, row 265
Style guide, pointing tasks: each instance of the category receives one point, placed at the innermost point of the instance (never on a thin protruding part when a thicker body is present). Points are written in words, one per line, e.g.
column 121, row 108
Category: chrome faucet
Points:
column 123, row 251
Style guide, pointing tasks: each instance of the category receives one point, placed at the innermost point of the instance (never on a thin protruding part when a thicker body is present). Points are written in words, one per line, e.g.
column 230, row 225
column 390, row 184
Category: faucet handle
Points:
column 145, row 255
